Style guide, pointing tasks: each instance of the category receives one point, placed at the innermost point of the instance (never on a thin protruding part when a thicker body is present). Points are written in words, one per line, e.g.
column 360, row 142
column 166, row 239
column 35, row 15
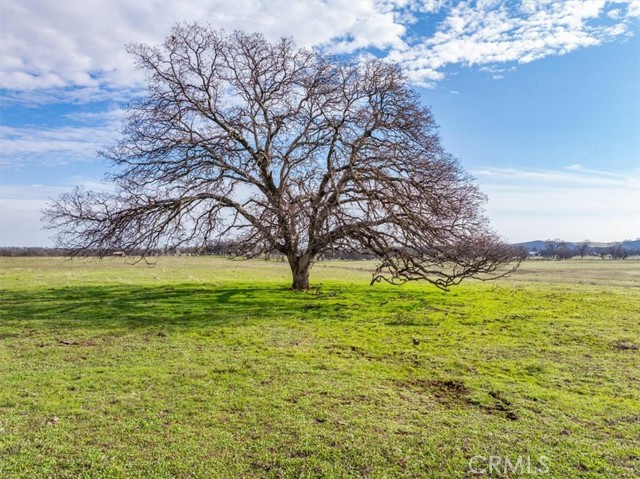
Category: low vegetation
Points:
column 204, row 367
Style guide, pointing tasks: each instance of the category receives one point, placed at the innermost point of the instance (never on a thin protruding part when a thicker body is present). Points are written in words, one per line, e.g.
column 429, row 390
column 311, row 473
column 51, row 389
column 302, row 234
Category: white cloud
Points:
column 81, row 44
column 77, row 48
column 571, row 203
column 489, row 33
column 633, row 9
column 614, row 13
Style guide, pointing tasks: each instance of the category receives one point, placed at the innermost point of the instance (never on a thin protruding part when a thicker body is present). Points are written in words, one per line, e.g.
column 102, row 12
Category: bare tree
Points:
column 617, row 251
column 283, row 150
column 583, row 248
column 558, row 249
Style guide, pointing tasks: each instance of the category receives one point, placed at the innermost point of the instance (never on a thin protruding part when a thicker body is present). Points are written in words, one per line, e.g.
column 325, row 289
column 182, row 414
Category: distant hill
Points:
column 632, row 244
column 537, row 245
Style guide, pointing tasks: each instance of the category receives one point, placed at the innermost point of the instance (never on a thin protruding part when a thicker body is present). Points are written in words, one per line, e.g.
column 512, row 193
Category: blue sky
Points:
column 539, row 100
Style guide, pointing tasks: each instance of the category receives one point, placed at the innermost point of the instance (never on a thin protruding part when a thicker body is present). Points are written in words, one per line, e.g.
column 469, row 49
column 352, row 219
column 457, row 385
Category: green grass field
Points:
column 203, row 367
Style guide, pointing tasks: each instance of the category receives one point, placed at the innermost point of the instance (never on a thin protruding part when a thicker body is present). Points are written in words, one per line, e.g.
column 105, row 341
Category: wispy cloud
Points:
column 490, row 33
column 572, row 203
column 68, row 95
column 37, row 192
column 27, row 146
column 573, row 175
column 30, row 192
column 497, row 73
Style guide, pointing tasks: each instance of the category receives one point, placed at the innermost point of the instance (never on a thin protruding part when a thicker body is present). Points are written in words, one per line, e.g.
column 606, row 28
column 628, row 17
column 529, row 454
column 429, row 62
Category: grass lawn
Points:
column 203, row 367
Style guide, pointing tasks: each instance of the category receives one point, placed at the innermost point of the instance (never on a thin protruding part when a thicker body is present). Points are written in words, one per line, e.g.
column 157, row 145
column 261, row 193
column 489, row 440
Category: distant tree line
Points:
column 31, row 251
column 221, row 247
column 556, row 249
column 561, row 250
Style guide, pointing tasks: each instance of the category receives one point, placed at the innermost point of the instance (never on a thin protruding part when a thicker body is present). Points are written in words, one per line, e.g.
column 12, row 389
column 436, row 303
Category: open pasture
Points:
column 204, row 367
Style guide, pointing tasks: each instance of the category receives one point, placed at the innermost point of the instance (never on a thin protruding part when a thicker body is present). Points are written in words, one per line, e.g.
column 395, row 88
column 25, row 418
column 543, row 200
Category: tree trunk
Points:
column 300, row 267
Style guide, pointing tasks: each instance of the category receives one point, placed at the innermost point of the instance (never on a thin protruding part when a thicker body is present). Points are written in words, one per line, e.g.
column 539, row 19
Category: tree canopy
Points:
column 286, row 150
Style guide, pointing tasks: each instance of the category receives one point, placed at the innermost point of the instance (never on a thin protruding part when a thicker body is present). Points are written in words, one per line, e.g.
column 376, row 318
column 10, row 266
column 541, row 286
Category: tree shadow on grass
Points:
column 186, row 305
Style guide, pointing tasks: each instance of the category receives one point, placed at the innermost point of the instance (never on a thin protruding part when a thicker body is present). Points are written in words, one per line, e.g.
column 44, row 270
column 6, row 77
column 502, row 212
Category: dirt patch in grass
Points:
column 450, row 390
column 446, row 392
column 71, row 342
column 455, row 393
column 501, row 405
column 625, row 345
column 632, row 419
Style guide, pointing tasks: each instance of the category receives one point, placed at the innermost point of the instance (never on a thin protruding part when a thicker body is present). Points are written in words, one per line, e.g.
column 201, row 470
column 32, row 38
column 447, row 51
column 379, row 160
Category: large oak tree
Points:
column 285, row 150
